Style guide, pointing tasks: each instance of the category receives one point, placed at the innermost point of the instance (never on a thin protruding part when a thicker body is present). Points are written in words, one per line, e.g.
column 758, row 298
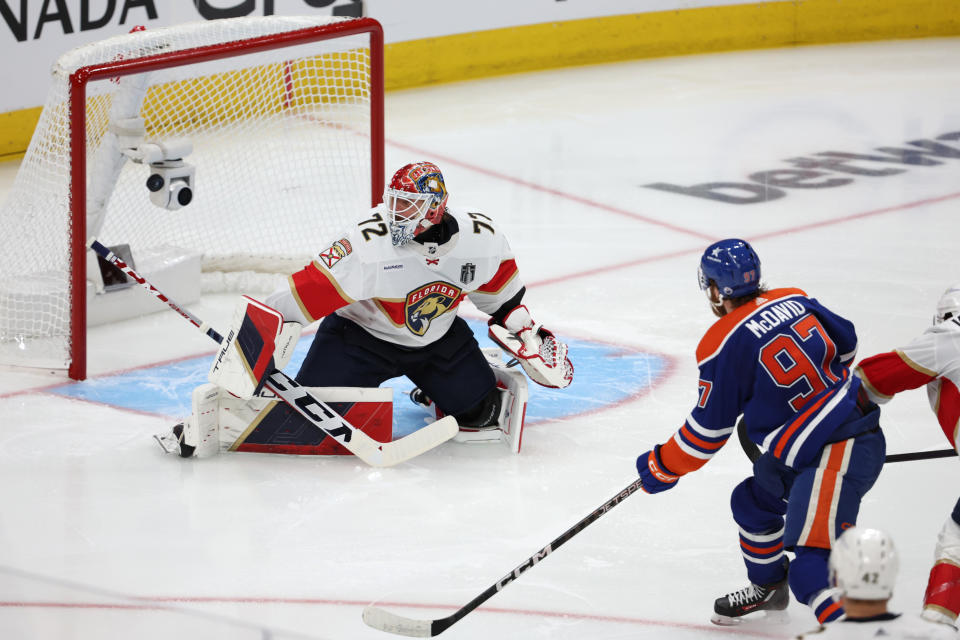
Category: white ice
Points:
column 103, row 536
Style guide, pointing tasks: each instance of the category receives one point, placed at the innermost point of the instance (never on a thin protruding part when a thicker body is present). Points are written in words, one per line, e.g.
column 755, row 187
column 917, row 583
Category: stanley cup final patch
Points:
column 339, row 249
column 428, row 302
column 467, row 273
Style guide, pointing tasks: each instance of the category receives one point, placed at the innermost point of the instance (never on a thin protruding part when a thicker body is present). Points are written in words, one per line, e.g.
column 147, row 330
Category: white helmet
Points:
column 949, row 305
column 864, row 564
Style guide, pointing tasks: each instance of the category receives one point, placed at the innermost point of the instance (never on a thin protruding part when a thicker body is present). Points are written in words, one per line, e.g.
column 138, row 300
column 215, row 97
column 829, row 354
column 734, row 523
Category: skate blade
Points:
column 770, row 617
column 476, row 436
column 168, row 442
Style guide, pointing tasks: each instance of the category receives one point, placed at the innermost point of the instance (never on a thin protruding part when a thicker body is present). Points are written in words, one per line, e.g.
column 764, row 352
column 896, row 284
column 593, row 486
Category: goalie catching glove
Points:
column 258, row 342
column 542, row 356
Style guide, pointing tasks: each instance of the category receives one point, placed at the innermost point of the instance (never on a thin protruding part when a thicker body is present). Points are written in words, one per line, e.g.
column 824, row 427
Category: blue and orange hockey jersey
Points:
column 782, row 360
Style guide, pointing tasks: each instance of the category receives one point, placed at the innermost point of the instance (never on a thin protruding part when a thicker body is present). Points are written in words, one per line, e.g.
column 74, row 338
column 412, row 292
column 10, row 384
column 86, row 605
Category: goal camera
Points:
column 171, row 180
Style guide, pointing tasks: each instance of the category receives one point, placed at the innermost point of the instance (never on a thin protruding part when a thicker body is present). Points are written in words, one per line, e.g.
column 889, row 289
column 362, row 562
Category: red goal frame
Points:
column 77, row 369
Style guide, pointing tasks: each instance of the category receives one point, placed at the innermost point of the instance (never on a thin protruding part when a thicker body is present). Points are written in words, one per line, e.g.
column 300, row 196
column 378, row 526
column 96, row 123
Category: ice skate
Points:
column 730, row 609
column 172, row 442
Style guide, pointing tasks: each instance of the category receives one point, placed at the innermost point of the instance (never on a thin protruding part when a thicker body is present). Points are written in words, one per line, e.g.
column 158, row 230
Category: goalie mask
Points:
column 415, row 199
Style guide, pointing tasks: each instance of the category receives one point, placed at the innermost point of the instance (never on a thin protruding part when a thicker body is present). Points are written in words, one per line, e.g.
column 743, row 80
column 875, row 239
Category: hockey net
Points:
column 284, row 116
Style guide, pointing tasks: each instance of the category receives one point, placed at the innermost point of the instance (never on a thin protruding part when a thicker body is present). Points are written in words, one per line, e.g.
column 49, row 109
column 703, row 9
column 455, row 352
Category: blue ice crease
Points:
column 604, row 375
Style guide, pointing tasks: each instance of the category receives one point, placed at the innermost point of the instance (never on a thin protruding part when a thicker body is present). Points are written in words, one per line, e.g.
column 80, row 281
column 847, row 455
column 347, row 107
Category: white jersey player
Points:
column 387, row 290
column 931, row 359
column 863, row 567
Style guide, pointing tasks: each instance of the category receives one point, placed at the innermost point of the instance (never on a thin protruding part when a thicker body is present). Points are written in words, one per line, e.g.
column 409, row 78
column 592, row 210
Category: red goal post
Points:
column 283, row 120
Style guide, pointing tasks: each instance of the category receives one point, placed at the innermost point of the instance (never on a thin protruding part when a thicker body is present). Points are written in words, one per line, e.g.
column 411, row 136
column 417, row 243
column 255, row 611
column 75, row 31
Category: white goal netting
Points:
column 280, row 145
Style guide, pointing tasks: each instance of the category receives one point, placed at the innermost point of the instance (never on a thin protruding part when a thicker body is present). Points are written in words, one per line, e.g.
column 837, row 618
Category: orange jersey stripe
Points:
column 826, row 613
column 820, row 529
column 889, row 373
column 677, row 460
column 797, row 423
column 690, row 436
column 317, row 292
column 722, row 328
column 761, row 550
column 506, row 272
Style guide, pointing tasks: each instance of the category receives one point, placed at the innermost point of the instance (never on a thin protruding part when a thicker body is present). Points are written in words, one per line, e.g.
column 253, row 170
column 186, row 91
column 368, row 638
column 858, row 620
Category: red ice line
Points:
column 157, row 604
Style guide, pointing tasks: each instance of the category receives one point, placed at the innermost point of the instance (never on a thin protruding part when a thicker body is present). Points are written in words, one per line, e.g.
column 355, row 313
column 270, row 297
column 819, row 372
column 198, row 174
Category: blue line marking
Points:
column 604, row 375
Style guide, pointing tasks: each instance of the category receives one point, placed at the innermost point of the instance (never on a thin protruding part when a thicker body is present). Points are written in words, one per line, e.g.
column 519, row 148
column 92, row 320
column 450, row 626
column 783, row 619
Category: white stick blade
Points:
column 391, row 623
column 420, row 441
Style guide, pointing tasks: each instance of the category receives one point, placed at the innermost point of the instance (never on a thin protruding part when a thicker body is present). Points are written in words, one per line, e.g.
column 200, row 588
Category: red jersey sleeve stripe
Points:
column 503, row 276
column 948, row 410
column 889, row 373
column 317, row 292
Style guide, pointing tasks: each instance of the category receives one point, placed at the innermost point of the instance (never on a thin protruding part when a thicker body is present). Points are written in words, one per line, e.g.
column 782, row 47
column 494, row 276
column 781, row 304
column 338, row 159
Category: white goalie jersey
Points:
column 408, row 294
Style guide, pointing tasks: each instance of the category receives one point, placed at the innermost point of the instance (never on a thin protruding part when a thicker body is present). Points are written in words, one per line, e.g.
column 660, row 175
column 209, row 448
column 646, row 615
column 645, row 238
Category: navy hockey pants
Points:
column 805, row 510
column 452, row 371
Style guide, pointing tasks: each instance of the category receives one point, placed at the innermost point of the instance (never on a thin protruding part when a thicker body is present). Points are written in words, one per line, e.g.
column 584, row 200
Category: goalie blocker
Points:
column 221, row 422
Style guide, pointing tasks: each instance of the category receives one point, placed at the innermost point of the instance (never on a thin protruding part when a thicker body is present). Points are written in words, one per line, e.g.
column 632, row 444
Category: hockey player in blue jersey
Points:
column 780, row 359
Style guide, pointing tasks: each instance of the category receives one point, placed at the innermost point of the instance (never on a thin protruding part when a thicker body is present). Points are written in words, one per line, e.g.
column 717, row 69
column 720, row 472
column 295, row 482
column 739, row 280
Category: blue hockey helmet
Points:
column 733, row 266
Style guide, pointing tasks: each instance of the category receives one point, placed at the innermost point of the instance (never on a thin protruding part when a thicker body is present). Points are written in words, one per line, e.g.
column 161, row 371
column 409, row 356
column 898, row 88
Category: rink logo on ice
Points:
column 428, row 302
column 822, row 170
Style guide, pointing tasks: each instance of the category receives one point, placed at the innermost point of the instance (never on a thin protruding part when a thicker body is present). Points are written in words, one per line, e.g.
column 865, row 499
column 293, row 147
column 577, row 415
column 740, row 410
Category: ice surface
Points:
column 102, row 534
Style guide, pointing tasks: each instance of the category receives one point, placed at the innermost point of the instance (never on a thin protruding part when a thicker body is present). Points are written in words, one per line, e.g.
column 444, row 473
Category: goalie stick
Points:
column 373, row 452
column 753, row 451
column 392, row 623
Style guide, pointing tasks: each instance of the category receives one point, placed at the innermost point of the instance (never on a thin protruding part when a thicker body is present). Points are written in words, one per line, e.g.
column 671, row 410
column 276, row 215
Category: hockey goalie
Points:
column 386, row 292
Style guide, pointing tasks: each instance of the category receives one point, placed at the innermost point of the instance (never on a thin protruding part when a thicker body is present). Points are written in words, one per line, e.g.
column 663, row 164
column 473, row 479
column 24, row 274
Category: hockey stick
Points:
column 374, row 453
column 392, row 623
column 753, row 451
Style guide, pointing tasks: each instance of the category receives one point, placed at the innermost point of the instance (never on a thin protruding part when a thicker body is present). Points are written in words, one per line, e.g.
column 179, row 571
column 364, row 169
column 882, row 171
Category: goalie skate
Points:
column 172, row 440
column 773, row 598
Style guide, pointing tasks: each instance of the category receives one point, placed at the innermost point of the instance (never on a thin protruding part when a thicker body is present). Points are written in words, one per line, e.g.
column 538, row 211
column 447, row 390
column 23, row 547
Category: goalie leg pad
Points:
column 198, row 435
column 201, row 430
column 514, row 407
column 511, row 407
column 267, row 425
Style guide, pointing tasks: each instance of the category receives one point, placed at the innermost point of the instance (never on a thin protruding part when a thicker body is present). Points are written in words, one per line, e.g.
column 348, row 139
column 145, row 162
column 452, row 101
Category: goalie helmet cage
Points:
column 285, row 119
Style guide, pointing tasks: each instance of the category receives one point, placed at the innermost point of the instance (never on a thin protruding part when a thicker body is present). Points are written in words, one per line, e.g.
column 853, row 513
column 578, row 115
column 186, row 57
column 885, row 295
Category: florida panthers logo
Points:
column 428, row 302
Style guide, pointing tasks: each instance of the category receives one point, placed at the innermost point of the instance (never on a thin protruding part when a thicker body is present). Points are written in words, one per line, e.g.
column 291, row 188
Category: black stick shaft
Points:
column 438, row 626
column 753, row 451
